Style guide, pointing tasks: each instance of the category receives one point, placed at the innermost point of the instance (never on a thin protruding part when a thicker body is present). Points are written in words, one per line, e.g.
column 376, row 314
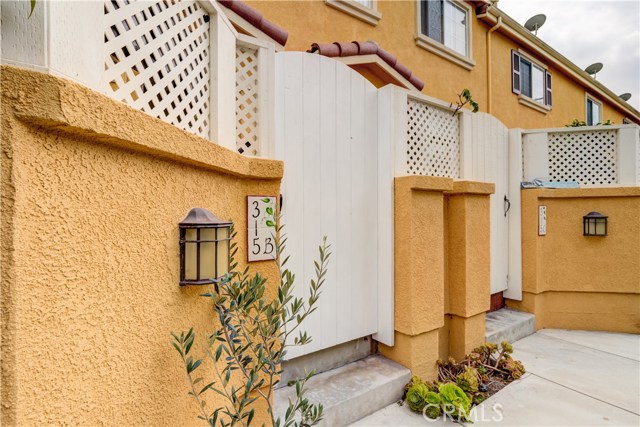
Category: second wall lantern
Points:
column 594, row 224
column 204, row 247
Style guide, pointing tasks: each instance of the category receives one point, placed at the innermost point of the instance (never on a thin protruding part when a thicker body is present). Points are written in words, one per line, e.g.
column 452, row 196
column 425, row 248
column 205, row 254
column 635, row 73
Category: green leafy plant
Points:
column 484, row 371
column 513, row 367
column 468, row 379
column 497, row 360
column 434, row 400
column 465, row 98
column 454, row 401
column 417, row 396
column 579, row 123
column 433, row 408
column 251, row 341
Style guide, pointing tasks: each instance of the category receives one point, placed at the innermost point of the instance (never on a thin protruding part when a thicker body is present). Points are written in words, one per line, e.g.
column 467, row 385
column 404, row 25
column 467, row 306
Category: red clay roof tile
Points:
column 256, row 19
column 338, row 49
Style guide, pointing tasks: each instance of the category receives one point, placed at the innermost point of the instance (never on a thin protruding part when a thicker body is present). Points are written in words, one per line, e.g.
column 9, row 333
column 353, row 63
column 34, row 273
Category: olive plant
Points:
column 252, row 335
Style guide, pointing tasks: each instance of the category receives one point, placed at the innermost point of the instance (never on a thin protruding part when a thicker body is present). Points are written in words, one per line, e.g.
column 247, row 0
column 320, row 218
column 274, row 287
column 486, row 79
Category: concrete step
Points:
column 508, row 325
column 352, row 391
column 325, row 360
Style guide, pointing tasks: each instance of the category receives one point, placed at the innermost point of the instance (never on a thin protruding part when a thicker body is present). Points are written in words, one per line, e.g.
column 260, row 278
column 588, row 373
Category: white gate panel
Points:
column 326, row 133
column 490, row 160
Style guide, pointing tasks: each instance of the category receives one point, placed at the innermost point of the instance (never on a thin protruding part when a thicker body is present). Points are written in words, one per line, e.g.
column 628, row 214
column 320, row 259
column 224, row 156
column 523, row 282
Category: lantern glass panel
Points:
column 223, row 251
column 190, row 255
column 207, row 253
column 600, row 227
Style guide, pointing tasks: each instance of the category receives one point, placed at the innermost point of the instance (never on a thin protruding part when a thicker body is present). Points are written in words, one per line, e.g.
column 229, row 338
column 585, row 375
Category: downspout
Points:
column 491, row 30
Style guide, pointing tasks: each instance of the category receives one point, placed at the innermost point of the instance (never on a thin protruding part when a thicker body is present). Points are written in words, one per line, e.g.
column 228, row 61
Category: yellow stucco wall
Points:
column 92, row 192
column 315, row 21
column 580, row 282
column 441, row 270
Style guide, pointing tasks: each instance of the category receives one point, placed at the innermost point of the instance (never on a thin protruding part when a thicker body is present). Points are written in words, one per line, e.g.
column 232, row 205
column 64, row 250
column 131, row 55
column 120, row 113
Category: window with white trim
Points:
column 530, row 80
column 365, row 10
column 594, row 112
column 445, row 22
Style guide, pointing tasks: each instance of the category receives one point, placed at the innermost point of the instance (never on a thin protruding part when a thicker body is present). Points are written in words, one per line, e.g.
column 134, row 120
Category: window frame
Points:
column 439, row 48
column 370, row 15
column 594, row 100
column 547, row 88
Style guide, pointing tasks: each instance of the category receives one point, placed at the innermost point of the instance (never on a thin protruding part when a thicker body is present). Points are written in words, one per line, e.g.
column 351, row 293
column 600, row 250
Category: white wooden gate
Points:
column 327, row 135
column 490, row 163
column 432, row 141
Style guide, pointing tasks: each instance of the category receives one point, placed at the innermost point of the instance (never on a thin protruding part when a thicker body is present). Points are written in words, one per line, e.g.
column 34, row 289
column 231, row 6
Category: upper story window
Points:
column 531, row 80
column 446, row 23
column 444, row 28
column 594, row 112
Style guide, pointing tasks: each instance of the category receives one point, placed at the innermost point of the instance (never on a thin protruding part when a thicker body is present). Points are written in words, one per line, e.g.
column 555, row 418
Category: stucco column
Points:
column 419, row 272
column 468, row 264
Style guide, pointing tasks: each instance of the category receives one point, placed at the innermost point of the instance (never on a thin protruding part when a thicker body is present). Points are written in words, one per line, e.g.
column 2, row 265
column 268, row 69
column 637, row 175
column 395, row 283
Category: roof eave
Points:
column 375, row 61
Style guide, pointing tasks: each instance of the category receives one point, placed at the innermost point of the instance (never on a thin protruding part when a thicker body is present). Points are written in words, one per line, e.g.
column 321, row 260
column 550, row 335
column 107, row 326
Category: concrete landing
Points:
column 509, row 325
column 574, row 378
column 400, row 415
column 351, row 392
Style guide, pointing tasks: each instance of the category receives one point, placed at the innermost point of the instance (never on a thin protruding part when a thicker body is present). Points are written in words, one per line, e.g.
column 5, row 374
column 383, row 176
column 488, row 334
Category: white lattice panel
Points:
column 433, row 141
column 247, row 110
column 586, row 157
column 157, row 59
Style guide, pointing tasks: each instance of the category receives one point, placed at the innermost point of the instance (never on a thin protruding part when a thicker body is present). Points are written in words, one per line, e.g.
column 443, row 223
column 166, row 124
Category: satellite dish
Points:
column 535, row 22
column 625, row 96
column 593, row 69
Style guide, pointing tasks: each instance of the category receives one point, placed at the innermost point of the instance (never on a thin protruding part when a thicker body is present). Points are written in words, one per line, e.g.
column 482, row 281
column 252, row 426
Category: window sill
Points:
column 525, row 100
column 444, row 52
column 350, row 7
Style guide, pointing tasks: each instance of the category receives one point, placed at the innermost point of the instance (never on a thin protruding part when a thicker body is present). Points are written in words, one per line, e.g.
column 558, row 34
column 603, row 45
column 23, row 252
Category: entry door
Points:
column 326, row 133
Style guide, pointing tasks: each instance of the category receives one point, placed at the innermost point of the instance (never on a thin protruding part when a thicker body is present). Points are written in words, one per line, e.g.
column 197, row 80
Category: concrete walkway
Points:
column 574, row 378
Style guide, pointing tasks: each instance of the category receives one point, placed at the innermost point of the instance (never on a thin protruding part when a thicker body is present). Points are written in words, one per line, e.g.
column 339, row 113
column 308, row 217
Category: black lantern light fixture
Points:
column 594, row 224
column 204, row 247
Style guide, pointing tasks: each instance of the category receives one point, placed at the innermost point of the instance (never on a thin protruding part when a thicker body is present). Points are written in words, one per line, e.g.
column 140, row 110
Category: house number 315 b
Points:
column 261, row 228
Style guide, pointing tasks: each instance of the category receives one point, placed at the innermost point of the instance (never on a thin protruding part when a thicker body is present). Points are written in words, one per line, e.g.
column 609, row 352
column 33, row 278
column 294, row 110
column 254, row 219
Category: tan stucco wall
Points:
column 441, row 270
column 92, row 192
column 315, row 21
column 580, row 282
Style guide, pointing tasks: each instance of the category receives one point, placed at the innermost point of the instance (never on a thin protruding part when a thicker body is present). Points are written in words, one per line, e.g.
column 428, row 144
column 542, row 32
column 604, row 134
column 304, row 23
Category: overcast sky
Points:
column 588, row 31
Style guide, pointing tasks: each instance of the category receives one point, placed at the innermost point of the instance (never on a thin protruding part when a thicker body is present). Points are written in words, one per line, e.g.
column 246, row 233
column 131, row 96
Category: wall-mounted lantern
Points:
column 204, row 247
column 595, row 224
